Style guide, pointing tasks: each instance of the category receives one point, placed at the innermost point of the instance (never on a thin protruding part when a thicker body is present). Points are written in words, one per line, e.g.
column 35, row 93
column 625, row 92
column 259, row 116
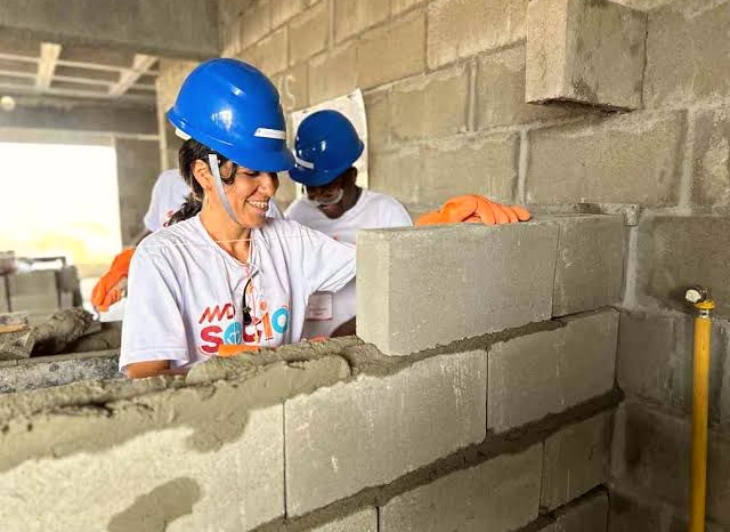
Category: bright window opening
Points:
column 61, row 200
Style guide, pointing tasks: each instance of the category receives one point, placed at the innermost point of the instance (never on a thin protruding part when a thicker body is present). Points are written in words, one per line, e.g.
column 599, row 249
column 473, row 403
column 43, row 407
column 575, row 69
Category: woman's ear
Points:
column 202, row 175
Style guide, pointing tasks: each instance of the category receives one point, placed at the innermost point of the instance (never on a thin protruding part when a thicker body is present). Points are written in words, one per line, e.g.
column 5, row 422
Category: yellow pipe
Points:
column 703, row 330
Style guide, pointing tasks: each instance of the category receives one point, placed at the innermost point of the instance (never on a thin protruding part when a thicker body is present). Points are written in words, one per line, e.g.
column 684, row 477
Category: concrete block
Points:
column 32, row 283
column 398, row 6
column 146, row 466
column 255, row 23
column 674, row 252
column 354, row 16
column 68, row 279
column 432, row 105
column 685, row 60
column 711, row 158
column 283, row 10
column 392, row 52
column 499, row 495
column 629, row 513
column 467, row 27
column 57, row 370
column 270, row 53
column 363, row 521
column 309, row 33
column 36, row 303
column 468, row 288
column 590, row 265
column 370, row 431
column 4, row 305
column 590, row 514
column 230, row 33
column 431, row 173
column 333, row 73
column 652, row 456
column 550, row 371
column 601, row 161
column 377, row 110
column 585, row 52
column 576, row 461
column 500, row 90
column 292, row 87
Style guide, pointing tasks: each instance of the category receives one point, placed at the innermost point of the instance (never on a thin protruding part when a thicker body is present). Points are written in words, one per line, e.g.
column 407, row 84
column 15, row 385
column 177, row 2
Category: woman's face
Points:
column 250, row 193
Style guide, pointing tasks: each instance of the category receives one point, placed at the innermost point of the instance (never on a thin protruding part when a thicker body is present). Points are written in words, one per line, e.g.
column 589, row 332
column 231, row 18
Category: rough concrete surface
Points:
column 620, row 159
column 588, row 514
column 42, row 372
column 342, row 439
column 469, row 287
column 676, row 252
column 466, row 27
column 499, row 495
column 576, row 460
column 590, row 263
column 586, row 52
column 651, row 453
column 363, row 521
column 550, row 371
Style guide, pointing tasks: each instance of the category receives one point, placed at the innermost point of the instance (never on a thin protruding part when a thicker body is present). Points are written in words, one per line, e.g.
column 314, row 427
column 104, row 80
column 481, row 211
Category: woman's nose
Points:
column 269, row 182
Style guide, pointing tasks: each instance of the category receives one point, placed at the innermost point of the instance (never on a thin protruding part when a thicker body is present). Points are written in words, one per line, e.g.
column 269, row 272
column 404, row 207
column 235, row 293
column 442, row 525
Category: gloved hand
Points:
column 472, row 208
column 108, row 289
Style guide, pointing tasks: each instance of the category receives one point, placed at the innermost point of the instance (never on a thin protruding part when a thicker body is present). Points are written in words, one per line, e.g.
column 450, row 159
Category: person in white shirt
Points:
column 326, row 147
column 222, row 273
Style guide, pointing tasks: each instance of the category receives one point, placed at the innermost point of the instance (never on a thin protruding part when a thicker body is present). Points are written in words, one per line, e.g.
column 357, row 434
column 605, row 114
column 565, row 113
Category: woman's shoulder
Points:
column 174, row 237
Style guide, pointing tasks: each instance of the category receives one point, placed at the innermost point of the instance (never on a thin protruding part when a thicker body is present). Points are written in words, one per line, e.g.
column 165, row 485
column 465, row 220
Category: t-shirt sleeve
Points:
column 329, row 264
column 396, row 215
column 153, row 327
column 153, row 216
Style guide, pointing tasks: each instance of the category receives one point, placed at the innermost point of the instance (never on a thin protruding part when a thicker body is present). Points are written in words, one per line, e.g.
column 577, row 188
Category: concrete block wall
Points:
column 507, row 428
column 325, row 437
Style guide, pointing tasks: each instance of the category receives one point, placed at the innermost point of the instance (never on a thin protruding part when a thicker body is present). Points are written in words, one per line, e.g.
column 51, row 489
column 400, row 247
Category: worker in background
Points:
column 325, row 149
column 222, row 273
column 168, row 196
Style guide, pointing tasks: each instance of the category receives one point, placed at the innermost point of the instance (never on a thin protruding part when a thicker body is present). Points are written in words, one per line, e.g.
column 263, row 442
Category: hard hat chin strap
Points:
column 213, row 160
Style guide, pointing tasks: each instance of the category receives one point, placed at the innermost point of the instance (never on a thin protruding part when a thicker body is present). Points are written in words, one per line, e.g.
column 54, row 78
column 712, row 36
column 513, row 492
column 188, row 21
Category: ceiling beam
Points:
column 74, row 93
column 47, row 64
column 141, row 64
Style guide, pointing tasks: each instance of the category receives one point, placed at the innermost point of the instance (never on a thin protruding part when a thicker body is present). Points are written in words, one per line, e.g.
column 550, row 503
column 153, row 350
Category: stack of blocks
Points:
column 40, row 293
column 486, row 403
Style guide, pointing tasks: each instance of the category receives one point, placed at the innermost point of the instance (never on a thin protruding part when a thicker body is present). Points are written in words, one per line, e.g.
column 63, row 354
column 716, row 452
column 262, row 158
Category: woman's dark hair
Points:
column 191, row 151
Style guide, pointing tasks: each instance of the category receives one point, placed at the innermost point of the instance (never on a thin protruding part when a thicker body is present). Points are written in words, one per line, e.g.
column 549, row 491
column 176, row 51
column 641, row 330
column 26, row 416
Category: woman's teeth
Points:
column 263, row 205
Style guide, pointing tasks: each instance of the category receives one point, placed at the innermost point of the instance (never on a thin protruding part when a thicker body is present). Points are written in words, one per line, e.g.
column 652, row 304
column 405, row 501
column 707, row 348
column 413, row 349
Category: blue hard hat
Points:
column 326, row 145
column 234, row 109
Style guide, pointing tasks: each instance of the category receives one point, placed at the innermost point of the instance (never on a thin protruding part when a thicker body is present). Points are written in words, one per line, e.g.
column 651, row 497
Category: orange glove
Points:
column 472, row 208
column 108, row 290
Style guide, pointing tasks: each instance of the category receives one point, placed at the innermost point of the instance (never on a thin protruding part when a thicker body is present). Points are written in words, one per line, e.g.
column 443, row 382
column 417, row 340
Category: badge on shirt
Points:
column 319, row 307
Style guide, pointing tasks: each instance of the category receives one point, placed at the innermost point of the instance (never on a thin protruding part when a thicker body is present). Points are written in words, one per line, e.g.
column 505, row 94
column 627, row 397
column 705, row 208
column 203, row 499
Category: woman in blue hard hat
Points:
column 326, row 148
column 222, row 273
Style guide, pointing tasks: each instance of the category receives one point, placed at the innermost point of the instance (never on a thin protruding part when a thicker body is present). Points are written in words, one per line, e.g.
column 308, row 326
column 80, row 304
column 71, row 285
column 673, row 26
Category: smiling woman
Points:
column 51, row 211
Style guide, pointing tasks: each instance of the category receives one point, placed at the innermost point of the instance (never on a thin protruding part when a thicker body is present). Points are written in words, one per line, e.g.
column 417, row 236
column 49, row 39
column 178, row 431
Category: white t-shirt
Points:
column 372, row 211
column 168, row 195
column 186, row 293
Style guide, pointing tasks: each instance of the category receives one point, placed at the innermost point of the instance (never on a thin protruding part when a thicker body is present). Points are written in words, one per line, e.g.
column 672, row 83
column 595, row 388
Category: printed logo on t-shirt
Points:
column 223, row 329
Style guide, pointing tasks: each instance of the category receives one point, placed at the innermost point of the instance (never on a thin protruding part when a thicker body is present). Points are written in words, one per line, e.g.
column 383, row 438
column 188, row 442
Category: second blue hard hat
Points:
column 234, row 109
column 325, row 146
